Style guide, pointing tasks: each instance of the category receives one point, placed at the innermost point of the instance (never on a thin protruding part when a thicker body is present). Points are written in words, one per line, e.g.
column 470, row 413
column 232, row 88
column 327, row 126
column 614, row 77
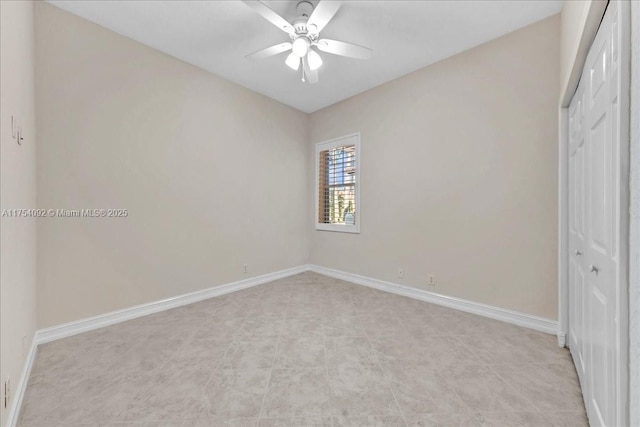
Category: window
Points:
column 338, row 184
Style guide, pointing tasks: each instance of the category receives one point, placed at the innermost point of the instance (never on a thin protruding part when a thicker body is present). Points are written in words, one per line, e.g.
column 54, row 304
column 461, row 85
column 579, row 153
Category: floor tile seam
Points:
column 362, row 324
column 387, row 383
column 379, row 354
column 454, row 391
column 480, row 360
column 575, row 386
column 251, row 309
column 268, row 385
column 515, row 411
column 551, row 421
column 506, row 342
column 130, row 349
column 332, row 408
column 542, row 414
column 212, row 373
column 21, row 415
column 182, row 347
column 201, row 326
column 313, row 417
column 188, row 342
column 278, row 368
column 501, row 378
column 395, row 399
column 144, row 392
column 220, row 360
column 141, row 344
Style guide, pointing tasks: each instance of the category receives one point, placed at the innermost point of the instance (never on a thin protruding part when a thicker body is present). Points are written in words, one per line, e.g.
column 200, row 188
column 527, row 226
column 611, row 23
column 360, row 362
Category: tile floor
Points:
column 307, row 350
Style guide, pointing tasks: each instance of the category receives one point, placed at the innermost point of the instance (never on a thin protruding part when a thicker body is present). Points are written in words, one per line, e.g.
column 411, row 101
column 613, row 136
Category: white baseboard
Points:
column 562, row 339
column 18, row 394
column 509, row 316
column 91, row 323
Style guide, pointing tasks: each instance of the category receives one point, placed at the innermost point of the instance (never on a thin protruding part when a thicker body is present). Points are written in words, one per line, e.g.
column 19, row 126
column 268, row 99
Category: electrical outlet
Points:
column 400, row 273
column 245, row 268
column 7, row 392
column 432, row 280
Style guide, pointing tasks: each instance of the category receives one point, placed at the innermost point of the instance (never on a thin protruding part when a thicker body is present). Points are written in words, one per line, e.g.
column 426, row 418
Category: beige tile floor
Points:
column 307, row 350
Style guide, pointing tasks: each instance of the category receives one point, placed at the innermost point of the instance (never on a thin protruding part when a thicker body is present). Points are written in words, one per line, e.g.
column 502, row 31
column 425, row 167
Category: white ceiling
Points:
column 404, row 35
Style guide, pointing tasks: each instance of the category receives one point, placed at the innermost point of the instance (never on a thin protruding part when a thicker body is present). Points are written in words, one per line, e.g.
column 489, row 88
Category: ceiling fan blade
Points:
column 270, row 51
column 322, row 14
column 311, row 75
column 344, row 49
column 270, row 16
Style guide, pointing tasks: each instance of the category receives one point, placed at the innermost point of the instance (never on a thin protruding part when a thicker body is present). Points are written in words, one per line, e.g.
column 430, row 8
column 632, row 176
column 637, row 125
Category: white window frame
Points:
column 351, row 139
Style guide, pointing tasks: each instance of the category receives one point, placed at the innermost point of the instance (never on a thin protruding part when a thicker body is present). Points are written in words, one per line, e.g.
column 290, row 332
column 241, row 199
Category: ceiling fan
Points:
column 304, row 33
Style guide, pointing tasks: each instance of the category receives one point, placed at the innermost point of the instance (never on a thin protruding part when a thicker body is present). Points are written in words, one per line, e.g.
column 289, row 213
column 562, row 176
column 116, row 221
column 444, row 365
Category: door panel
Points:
column 582, row 318
column 577, row 233
column 573, row 314
column 598, row 224
column 598, row 70
column 579, row 189
column 599, row 359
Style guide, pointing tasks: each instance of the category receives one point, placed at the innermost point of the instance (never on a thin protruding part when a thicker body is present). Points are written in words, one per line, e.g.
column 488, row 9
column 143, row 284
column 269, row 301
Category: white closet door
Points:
column 577, row 233
column 599, row 252
column 594, row 224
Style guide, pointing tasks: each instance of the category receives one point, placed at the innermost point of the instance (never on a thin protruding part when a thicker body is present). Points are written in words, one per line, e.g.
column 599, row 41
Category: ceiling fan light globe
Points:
column 293, row 61
column 315, row 61
column 300, row 46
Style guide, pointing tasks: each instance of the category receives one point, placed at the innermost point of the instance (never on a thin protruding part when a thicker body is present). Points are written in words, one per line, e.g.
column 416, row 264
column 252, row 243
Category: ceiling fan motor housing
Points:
column 300, row 27
column 304, row 9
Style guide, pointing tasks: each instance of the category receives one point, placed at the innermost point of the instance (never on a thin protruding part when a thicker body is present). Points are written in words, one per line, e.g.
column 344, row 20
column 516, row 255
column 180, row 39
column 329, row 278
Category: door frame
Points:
column 634, row 226
column 595, row 13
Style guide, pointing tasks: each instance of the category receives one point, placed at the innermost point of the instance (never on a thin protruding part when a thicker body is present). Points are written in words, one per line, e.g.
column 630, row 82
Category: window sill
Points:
column 353, row 229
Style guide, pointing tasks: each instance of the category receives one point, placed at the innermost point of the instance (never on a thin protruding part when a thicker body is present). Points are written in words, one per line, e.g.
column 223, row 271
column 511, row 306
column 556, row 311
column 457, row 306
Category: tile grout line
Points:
column 217, row 368
column 273, row 362
column 375, row 353
column 471, row 411
column 480, row 362
column 538, row 410
column 496, row 373
column 333, row 409
column 395, row 399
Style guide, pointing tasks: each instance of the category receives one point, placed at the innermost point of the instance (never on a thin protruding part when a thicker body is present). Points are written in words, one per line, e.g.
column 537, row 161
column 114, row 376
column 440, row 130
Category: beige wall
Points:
column 17, row 191
column 579, row 23
column 212, row 174
column 459, row 175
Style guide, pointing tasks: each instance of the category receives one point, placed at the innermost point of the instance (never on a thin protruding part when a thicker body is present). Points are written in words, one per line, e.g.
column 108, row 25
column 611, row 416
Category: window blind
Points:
column 337, row 185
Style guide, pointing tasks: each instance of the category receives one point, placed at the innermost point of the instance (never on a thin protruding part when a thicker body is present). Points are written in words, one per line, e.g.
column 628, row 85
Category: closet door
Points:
column 577, row 234
column 600, row 253
column 594, row 221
